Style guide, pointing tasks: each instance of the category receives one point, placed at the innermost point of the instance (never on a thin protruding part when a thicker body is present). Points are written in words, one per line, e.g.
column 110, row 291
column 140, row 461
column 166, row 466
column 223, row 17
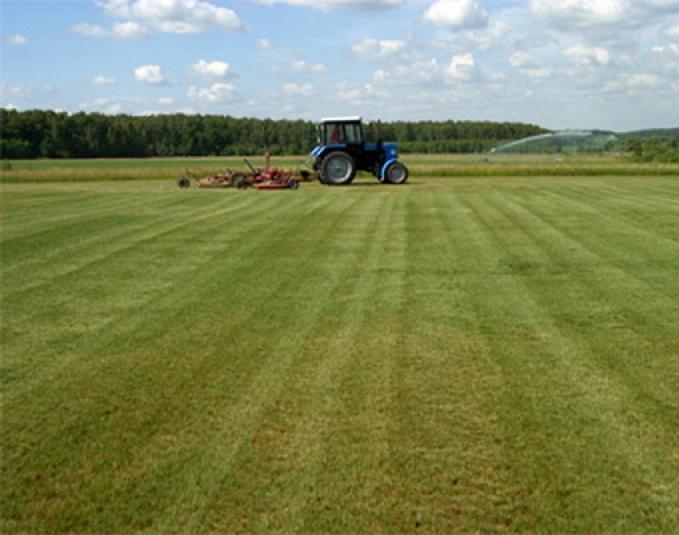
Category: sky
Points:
column 604, row 64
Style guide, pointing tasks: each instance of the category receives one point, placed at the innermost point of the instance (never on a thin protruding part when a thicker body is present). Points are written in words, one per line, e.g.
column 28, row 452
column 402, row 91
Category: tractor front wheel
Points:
column 337, row 169
column 396, row 173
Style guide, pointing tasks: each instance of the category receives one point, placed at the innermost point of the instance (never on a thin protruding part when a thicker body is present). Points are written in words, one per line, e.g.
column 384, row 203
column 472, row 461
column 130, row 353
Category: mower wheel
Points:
column 240, row 181
column 184, row 182
column 337, row 169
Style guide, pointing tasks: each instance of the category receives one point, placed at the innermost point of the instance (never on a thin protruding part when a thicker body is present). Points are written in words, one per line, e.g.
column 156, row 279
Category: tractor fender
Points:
column 321, row 150
column 383, row 171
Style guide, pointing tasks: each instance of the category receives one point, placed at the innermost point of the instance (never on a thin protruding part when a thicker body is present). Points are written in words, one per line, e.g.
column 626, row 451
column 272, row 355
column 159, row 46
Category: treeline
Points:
column 653, row 149
column 48, row 134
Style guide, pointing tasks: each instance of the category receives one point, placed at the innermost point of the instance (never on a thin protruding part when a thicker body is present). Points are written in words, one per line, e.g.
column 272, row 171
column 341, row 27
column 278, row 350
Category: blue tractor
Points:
column 342, row 151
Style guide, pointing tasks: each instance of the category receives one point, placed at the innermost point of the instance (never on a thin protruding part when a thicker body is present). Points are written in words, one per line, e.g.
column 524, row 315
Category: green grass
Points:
column 470, row 354
column 481, row 165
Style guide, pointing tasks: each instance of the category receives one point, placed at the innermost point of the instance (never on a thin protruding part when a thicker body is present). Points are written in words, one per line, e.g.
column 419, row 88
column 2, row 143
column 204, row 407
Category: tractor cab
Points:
column 342, row 151
column 340, row 131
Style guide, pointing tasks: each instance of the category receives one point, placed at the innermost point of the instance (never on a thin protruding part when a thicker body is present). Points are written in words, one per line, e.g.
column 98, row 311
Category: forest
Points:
column 49, row 134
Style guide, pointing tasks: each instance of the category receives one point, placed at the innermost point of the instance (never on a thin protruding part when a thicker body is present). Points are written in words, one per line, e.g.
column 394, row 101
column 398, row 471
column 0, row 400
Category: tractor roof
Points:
column 350, row 119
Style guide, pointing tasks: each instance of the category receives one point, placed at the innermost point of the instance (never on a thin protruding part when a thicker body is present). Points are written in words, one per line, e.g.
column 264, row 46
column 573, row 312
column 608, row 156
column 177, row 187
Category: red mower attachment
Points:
column 259, row 178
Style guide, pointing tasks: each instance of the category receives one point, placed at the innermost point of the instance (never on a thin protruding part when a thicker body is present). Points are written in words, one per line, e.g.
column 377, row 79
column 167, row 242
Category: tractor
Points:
column 342, row 151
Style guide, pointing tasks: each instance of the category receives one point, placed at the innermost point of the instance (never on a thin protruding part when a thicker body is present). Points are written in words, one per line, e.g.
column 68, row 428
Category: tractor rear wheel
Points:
column 337, row 169
column 396, row 173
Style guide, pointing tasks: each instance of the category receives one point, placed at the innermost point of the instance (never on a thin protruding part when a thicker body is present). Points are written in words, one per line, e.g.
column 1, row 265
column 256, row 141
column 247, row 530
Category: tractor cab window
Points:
column 353, row 133
column 333, row 133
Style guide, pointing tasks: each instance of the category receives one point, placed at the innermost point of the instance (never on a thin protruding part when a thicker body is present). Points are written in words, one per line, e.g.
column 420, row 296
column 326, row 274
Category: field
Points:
column 493, row 353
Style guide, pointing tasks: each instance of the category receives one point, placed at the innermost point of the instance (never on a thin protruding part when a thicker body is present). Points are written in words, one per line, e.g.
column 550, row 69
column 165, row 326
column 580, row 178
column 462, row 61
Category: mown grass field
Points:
column 493, row 354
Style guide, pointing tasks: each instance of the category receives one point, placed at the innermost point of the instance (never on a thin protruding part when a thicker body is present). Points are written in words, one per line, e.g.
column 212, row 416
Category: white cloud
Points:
column 9, row 106
column 113, row 109
column 211, row 69
column 303, row 66
column 643, row 80
column 634, row 83
column 671, row 31
column 12, row 91
column 90, row 30
column 592, row 14
column 462, row 67
column 579, row 13
column 149, row 74
column 332, row 5
column 217, row 92
column 537, row 72
column 291, row 88
column 166, row 101
column 673, row 48
column 380, row 75
column 264, row 44
column 587, row 55
column 417, row 72
column 119, row 30
column 102, row 105
column 372, row 49
column 129, row 29
column 103, row 80
column 528, row 66
column 359, row 95
column 485, row 38
column 17, row 39
column 457, row 14
column 522, row 59
column 173, row 16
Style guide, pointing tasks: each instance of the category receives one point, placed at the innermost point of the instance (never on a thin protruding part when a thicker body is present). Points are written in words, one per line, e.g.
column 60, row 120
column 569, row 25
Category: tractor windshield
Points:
column 334, row 133
column 353, row 133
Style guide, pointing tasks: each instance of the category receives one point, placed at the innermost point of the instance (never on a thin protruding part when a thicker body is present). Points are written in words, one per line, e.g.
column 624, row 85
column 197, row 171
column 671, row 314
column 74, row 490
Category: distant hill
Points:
column 667, row 133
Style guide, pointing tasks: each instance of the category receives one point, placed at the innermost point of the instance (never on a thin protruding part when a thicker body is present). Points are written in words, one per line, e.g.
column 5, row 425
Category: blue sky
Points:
column 610, row 64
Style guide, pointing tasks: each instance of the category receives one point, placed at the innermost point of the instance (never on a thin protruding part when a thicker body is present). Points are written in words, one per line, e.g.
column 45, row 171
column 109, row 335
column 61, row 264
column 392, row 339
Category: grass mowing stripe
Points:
column 49, row 238
column 448, row 462
column 216, row 457
column 283, row 454
column 623, row 350
column 610, row 295
column 83, row 312
column 66, row 205
column 37, row 219
column 125, row 225
column 626, row 310
column 586, row 396
column 151, row 367
column 646, row 244
column 353, row 414
column 91, row 308
column 626, row 211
